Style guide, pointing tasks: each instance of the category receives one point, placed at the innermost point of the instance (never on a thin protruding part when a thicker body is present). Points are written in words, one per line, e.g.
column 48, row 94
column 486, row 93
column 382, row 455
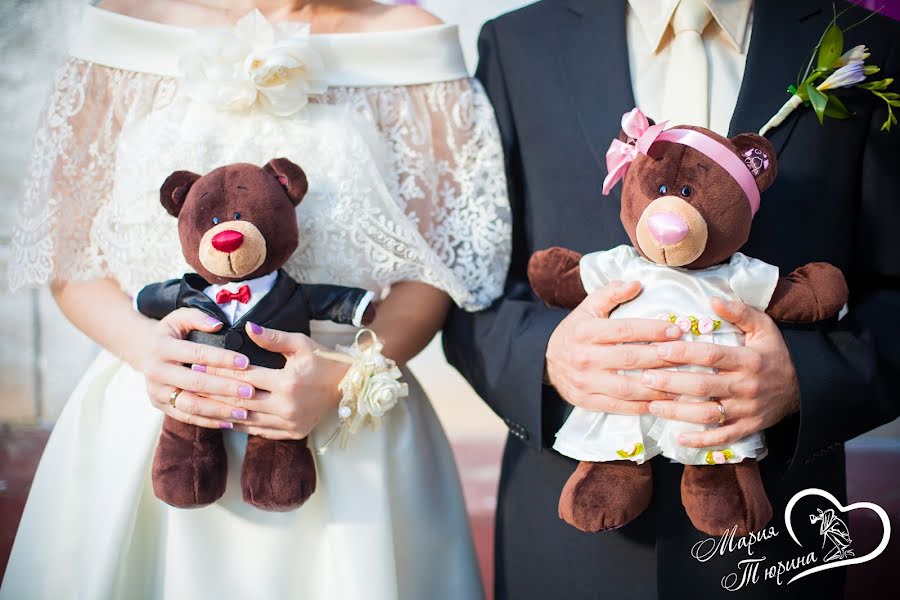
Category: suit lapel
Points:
column 594, row 63
column 271, row 304
column 783, row 35
column 191, row 295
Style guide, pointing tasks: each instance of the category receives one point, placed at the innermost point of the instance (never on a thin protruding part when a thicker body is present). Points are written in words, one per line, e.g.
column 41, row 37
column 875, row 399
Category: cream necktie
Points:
column 686, row 91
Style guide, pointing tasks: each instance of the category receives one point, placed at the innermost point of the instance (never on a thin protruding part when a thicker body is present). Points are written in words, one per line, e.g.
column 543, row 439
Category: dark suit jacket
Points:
column 289, row 306
column 557, row 73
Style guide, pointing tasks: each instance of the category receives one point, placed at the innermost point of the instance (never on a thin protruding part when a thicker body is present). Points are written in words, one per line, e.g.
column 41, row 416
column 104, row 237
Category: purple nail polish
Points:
column 241, row 362
column 212, row 321
column 245, row 391
column 199, row 368
column 256, row 329
column 239, row 413
column 226, row 425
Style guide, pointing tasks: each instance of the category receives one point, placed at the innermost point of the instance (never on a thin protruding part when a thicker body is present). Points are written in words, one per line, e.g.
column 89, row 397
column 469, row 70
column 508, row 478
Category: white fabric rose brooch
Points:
column 255, row 63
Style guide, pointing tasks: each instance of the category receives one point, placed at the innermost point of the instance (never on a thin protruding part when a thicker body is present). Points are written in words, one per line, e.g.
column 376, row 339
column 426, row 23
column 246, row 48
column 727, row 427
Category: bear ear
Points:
column 759, row 156
column 290, row 176
column 175, row 189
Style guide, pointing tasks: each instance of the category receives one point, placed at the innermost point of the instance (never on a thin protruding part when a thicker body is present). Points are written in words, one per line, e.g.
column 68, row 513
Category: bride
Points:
column 406, row 199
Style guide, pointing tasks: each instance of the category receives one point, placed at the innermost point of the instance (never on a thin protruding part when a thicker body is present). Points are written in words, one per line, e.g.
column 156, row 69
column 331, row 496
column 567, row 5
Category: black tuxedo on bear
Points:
column 557, row 73
column 289, row 306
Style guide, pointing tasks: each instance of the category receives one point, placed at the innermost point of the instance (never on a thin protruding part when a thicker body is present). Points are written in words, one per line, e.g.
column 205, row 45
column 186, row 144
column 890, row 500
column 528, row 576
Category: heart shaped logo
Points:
column 834, row 532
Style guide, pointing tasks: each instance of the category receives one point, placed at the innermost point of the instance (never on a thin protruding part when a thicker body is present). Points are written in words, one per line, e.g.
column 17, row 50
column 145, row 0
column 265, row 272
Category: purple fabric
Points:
column 889, row 8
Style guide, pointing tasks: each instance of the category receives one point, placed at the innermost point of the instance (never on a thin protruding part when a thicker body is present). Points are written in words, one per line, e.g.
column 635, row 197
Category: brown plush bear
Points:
column 238, row 226
column 688, row 199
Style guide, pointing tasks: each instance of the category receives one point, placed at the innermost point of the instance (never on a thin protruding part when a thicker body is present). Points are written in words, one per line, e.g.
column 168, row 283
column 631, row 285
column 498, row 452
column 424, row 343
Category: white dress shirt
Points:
column 234, row 310
column 726, row 39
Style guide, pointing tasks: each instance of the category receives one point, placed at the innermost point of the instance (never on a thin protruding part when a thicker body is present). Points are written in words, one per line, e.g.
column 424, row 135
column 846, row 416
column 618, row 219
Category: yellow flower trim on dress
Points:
column 719, row 457
column 635, row 451
column 696, row 326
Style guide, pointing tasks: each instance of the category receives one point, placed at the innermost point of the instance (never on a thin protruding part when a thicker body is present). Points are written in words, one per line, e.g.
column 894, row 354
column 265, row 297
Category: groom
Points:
column 560, row 74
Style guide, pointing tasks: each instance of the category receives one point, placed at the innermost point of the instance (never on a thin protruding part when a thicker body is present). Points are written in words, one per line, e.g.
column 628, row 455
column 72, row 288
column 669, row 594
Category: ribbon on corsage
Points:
column 255, row 63
column 370, row 388
column 621, row 154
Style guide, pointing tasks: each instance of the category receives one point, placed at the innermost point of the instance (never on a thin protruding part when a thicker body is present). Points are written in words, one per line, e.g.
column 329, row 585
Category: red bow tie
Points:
column 242, row 295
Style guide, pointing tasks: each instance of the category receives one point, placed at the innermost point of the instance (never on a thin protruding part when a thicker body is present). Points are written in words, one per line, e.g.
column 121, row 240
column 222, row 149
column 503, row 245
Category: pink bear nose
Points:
column 668, row 228
column 228, row 240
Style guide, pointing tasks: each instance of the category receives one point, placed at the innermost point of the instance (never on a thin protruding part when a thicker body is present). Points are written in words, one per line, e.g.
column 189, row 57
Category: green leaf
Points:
column 818, row 100
column 835, row 109
column 831, row 48
column 876, row 85
column 870, row 69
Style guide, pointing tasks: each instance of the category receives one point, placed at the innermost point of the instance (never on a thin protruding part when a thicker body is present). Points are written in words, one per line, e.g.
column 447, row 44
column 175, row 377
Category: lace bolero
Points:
column 406, row 182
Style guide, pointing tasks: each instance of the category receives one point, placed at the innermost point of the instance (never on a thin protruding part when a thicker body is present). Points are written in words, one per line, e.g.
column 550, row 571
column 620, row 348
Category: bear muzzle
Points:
column 671, row 232
column 233, row 250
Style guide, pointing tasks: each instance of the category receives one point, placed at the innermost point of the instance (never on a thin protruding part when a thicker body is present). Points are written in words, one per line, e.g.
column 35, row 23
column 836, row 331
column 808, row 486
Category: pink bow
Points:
column 620, row 155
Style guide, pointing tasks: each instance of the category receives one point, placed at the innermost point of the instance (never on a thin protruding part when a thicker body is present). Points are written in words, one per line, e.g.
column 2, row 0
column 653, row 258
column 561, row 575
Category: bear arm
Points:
column 813, row 292
column 555, row 276
column 339, row 304
column 157, row 300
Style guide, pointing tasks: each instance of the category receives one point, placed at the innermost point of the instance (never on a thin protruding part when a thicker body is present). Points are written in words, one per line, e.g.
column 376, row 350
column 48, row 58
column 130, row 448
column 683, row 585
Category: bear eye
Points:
column 237, row 216
column 663, row 190
column 686, row 191
column 215, row 220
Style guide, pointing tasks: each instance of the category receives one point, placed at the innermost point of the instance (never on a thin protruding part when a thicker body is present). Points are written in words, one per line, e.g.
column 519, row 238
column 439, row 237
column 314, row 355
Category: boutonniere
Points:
column 830, row 68
column 255, row 63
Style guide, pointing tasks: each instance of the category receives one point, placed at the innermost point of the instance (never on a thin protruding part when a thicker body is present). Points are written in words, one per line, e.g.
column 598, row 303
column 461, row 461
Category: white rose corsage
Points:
column 255, row 63
column 370, row 388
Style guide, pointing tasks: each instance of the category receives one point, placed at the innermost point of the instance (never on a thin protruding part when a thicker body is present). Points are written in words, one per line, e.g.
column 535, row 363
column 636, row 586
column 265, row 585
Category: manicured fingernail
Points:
column 653, row 407
column 212, row 321
column 245, row 391
column 199, row 368
column 663, row 351
column 256, row 329
column 239, row 413
column 226, row 425
column 673, row 332
column 682, row 439
column 648, row 378
column 241, row 362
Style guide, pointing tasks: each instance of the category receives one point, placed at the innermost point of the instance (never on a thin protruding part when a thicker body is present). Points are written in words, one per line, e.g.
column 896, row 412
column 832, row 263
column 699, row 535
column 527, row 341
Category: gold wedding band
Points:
column 722, row 416
column 174, row 397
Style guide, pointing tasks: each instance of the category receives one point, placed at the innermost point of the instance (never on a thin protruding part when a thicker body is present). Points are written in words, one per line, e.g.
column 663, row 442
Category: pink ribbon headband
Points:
column 637, row 127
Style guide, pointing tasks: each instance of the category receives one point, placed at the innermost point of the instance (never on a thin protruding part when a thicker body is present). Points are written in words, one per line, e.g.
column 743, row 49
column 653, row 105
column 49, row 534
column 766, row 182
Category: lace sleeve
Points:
column 444, row 168
column 72, row 168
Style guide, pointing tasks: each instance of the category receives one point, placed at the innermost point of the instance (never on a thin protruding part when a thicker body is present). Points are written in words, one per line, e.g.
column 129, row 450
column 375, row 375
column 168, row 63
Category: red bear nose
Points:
column 228, row 240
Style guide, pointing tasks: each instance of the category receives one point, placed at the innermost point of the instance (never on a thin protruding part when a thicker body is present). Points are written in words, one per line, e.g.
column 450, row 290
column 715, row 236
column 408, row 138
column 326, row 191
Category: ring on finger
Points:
column 722, row 415
column 174, row 396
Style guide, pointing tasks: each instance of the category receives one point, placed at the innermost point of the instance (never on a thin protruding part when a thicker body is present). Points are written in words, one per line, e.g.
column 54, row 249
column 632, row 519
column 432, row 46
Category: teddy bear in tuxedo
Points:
column 238, row 227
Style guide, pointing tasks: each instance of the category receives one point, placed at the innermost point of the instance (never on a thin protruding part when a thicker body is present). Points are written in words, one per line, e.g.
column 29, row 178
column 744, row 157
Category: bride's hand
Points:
column 204, row 399
column 289, row 402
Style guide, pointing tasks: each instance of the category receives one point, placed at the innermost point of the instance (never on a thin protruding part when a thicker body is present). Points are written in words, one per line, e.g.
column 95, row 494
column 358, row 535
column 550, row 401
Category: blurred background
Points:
column 42, row 355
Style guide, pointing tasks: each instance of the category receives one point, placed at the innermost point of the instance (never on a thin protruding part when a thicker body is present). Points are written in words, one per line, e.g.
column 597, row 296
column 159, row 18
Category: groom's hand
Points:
column 582, row 355
column 756, row 383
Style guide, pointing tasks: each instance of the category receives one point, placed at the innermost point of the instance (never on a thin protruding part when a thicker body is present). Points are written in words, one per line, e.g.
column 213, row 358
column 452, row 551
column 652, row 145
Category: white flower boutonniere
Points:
column 255, row 63
column 835, row 69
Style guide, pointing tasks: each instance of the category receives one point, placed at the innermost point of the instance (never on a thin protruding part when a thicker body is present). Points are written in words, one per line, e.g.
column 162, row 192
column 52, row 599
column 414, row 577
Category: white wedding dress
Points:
column 406, row 183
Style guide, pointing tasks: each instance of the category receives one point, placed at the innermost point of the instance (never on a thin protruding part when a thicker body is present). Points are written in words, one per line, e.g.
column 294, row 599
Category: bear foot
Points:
column 277, row 475
column 190, row 466
column 718, row 498
column 606, row 495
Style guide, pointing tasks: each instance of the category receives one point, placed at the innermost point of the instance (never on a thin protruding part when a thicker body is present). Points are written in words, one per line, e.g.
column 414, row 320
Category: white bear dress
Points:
column 406, row 183
column 683, row 297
